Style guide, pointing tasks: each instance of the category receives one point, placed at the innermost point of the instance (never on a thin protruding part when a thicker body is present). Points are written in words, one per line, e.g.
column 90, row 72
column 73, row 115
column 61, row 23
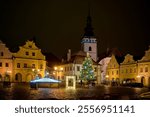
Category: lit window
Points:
column 27, row 53
column 0, row 64
column 18, row 65
column 6, row 65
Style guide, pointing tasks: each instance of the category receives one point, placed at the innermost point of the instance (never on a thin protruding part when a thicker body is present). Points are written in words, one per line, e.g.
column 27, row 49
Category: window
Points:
column 33, row 53
column 25, row 65
column 126, row 70
column 90, row 48
column 112, row 72
column 117, row 72
column 18, row 65
column 146, row 69
column 78, row 68
column 70, row 68
column 2, row 54
column 134, row 70
column 0, row 64
column 6, row 65
column 130, row 70
column 141, row 69
column 27, row 53
column 41, row 66
column 33, row 65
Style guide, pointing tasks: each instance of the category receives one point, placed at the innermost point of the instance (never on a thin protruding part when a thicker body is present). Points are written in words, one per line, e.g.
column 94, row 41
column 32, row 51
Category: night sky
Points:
column 59, row 24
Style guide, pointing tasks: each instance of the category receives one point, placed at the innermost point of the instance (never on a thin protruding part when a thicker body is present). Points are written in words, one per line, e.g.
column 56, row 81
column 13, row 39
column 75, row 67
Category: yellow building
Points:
column 5, row 63
column 144, row 69
column 28, row 62
column 112, row 71
column 128, row 69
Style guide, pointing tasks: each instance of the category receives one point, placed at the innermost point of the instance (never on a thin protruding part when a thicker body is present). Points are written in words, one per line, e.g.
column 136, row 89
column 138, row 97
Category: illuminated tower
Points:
column 89, row 42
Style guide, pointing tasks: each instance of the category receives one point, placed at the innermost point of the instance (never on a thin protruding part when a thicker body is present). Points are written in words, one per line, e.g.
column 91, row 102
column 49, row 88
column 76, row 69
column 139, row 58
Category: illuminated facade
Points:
column 28, row 62
column 112, row 70
column 143, row 75
column 5, row 63
column 128, row 69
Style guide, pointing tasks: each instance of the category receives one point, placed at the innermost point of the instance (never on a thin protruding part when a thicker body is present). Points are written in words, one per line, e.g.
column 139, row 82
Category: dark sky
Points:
column 59, row 24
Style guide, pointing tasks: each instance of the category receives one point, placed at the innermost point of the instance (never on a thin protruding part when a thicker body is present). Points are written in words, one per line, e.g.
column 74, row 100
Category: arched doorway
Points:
column 29, row 77
column 18, row 77
column 143, row 81
column 1, row 78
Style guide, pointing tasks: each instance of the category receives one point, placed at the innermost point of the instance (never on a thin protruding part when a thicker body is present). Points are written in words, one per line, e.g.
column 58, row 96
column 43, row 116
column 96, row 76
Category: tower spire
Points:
column 89, row 29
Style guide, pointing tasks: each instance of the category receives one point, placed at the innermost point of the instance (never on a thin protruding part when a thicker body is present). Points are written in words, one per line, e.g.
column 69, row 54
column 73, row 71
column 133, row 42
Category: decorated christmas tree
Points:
column 87, row 72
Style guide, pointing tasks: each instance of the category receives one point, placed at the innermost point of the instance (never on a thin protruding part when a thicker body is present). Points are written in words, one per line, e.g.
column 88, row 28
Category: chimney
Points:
column 69, row 55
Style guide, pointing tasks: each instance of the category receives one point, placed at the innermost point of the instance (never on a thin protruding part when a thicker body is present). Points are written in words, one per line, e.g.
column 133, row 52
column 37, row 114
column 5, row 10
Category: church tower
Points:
column 89, row 42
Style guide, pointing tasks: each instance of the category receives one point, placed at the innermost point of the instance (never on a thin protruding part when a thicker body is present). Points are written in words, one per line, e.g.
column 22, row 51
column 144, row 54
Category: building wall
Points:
column 28, row 62
column 128, row 69
column 104, row 63
column 5, row 63
column 90, row 45
column 113, row 70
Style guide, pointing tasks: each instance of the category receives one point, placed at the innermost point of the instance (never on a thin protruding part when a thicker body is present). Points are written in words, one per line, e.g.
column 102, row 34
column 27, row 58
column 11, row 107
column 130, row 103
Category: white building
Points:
column 104, row 63
column 5, row 63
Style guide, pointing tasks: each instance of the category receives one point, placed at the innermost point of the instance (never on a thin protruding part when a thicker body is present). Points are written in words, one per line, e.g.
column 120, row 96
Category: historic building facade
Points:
column 128, row 69
column 143, row 69
column 5, row 63
column 28, row 62
column 112, row 70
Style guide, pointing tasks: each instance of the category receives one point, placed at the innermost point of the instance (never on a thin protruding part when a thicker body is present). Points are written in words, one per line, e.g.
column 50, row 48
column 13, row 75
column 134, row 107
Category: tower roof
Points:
column 88, row 29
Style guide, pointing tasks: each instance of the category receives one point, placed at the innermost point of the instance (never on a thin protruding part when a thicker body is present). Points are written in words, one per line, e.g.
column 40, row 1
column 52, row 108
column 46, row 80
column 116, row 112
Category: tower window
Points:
column 90, row 48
